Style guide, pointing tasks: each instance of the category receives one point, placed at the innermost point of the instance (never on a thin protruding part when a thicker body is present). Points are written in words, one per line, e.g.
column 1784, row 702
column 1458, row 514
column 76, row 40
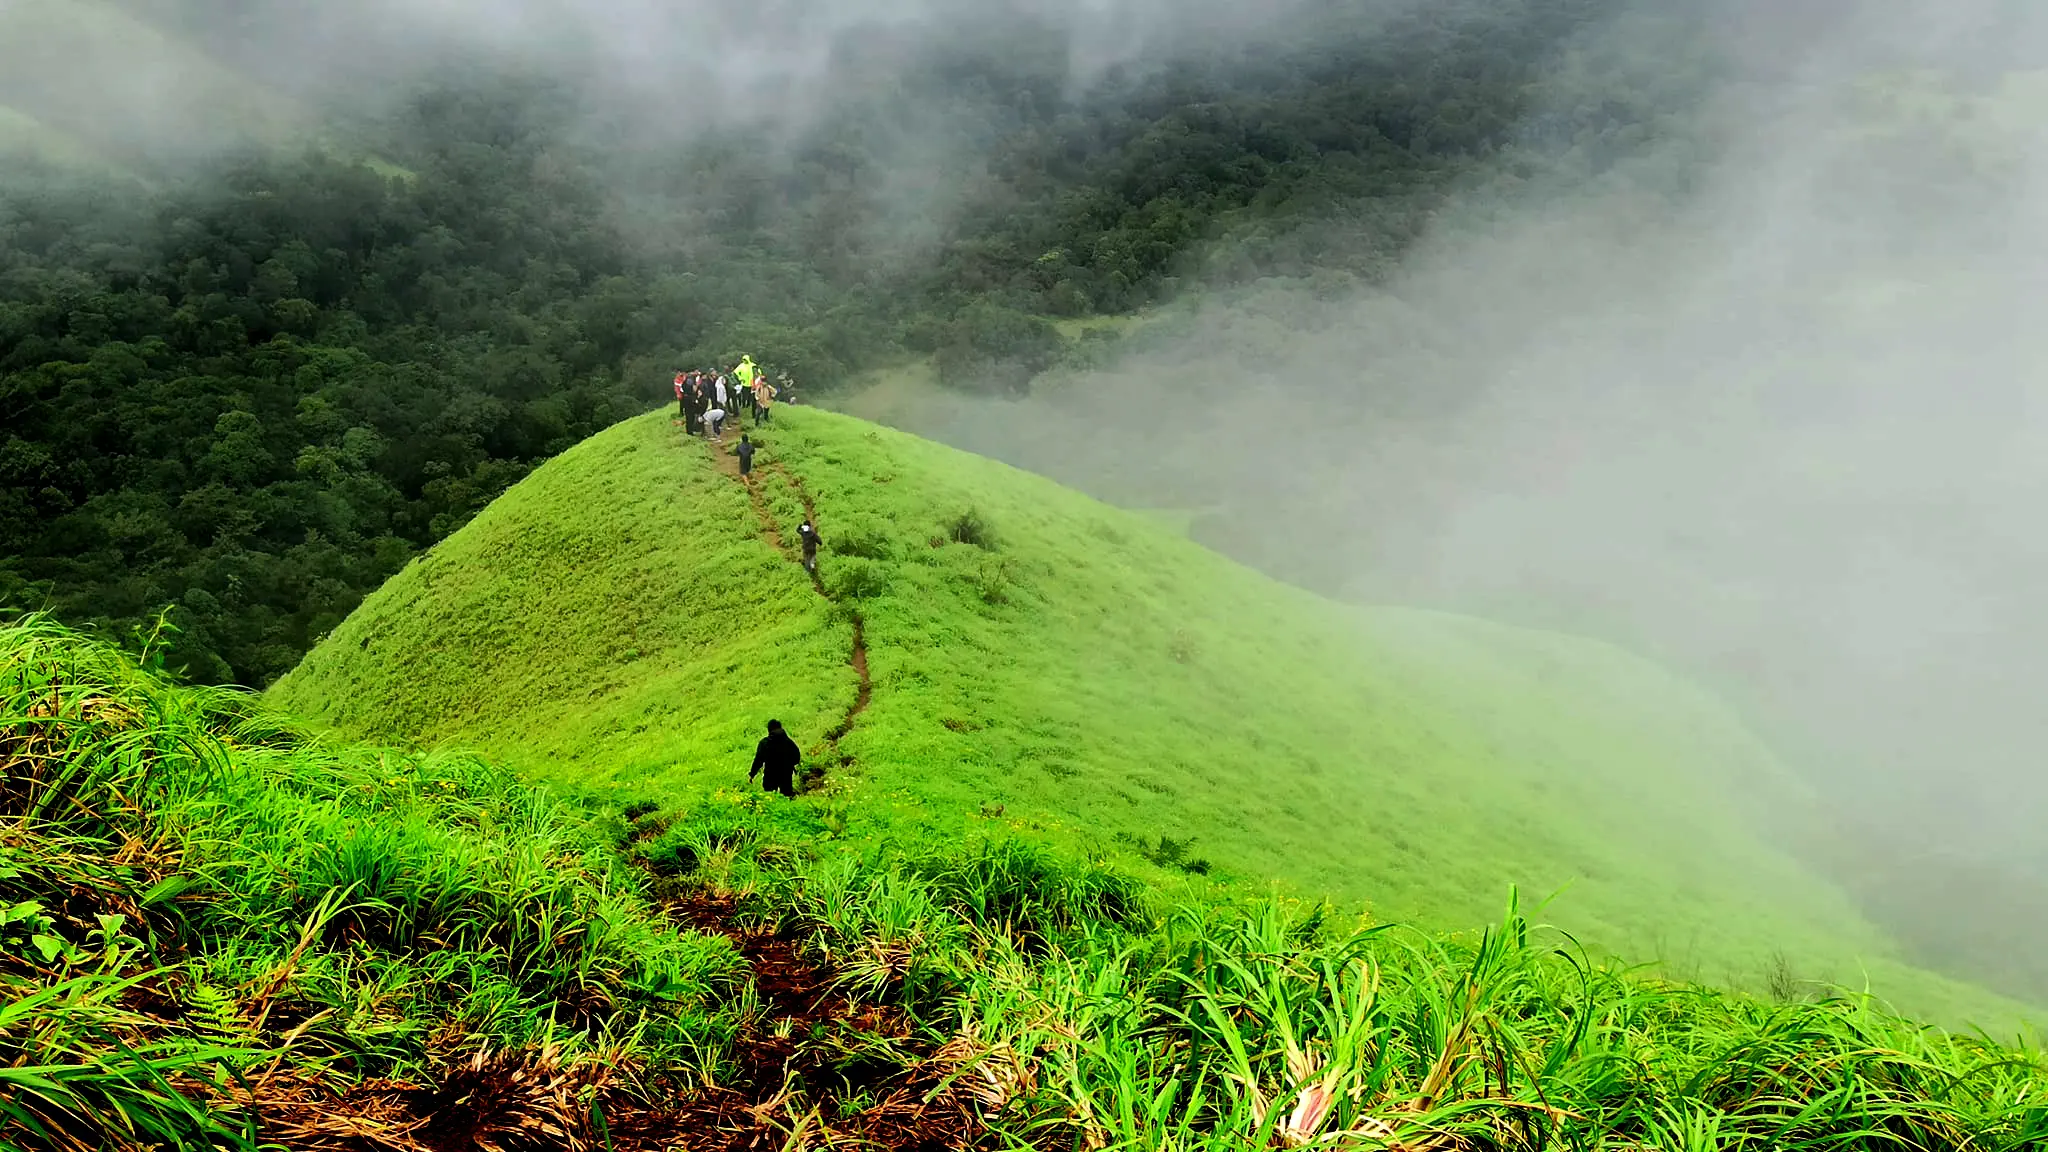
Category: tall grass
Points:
column 193, row 892
column 1261, row 1025
column 199, row 903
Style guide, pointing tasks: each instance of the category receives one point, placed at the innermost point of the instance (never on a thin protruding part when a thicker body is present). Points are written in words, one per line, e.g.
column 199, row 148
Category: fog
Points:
column 1758, row 395
column 1764, row 400
column 175, row 78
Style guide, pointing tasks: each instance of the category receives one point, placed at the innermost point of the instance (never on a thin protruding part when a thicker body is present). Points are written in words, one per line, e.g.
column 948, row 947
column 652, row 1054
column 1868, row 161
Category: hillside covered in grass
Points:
column 623, row 623
column 225, row 934
column 208, row 915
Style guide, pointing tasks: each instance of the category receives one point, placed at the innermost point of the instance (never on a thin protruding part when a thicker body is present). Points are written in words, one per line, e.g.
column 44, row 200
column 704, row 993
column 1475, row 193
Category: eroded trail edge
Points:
column 817, row 1068
column 831, row 757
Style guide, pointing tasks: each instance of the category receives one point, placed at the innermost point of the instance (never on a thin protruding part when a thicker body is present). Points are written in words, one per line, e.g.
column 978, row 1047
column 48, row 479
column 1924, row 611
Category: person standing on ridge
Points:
column 809, row 535
column 746, row 454
column 718, row 392
column 775, row 761
column 694, row 417
column 682, row 406
column 745, row 371
column 764, row 400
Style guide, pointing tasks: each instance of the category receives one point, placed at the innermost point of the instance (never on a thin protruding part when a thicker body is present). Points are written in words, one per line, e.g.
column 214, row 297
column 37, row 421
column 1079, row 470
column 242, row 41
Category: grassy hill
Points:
column 223, row 933
column 993, row 654
column 24, row 135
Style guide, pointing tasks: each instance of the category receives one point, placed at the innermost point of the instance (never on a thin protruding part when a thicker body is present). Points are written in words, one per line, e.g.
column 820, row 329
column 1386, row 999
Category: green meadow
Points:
column 1103, row 843
column 1107, row 843
column 621, row 625
column 226, row 933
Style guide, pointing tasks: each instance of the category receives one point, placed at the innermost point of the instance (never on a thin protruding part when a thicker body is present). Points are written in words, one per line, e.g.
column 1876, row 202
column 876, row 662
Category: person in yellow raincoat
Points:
column 745, row 372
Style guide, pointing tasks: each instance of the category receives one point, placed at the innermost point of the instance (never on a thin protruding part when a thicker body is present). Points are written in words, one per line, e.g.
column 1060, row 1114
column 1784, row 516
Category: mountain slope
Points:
column 104, row 81
column 623, row 623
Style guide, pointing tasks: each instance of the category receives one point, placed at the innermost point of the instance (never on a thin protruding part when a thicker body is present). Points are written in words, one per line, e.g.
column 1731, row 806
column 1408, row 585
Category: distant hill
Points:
column 622, row 623
column 103, row 83
column 23, row 135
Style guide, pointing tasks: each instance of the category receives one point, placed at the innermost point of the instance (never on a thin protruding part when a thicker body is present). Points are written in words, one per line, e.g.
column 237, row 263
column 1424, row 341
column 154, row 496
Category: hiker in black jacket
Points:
column 694, row 405
column 809, row 536
column 775, row 761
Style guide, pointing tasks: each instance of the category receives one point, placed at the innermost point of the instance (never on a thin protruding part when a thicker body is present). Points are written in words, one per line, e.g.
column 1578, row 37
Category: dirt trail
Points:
column 815, row 1070
column 829, row 757
column 819, row 1070
column 859, row 660
column 723, row 459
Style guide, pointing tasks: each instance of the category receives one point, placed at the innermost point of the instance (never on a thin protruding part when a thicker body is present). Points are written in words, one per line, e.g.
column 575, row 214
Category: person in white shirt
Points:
column 713, row 418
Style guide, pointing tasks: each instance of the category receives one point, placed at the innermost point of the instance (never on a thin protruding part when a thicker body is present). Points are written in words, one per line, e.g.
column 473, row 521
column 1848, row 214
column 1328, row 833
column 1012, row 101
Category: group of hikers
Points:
column 706, row 400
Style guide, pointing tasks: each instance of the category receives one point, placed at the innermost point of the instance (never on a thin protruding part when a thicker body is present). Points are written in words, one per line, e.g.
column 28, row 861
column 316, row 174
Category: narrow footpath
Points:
column 820, row 1069
column 828, row 758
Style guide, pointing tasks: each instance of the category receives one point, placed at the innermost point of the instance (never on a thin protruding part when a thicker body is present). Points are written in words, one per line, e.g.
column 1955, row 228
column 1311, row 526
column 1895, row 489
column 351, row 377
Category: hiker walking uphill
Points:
column 810, row 539
column 775, row 761
column 745, row 452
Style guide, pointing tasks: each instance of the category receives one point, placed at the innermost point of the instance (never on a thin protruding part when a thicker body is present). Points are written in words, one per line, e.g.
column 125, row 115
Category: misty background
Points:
column 1762, row 399
column 1701, row 327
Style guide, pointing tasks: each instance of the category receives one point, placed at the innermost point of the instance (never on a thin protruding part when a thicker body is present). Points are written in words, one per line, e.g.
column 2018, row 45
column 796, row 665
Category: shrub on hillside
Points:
column 859, row 580
column 1169, row 852
column 992, row 580
column 971, row 528
column 864, row 539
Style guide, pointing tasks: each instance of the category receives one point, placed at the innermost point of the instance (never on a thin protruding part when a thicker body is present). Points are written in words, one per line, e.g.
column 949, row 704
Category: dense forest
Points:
column 249, row 390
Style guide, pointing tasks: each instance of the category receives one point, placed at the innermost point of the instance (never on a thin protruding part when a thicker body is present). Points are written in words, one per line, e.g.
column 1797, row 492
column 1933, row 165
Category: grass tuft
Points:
column 859, row 580
column 972, row 529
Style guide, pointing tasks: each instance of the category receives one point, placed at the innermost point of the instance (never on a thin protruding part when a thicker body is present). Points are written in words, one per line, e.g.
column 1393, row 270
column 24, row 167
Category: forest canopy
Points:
column 248, row 390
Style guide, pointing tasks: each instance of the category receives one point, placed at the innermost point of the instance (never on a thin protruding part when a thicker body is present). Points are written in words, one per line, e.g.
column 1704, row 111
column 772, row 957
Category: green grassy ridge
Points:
column 629, row 607
column 317, row 910
column 616, row 624
column 1264, row 1027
